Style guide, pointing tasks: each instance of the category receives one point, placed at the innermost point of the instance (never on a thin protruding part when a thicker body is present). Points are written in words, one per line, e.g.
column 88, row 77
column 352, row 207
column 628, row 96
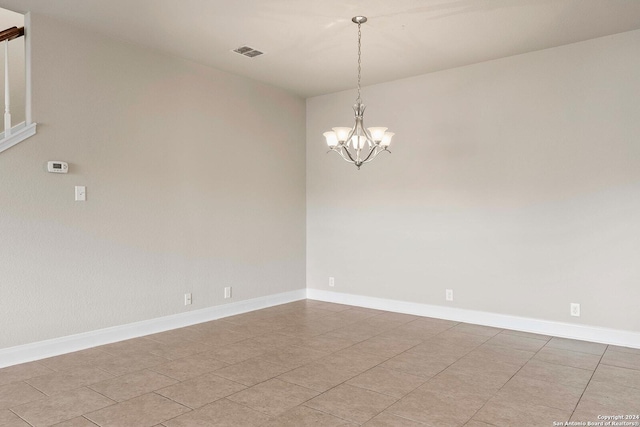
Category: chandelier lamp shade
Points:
column 357, row 144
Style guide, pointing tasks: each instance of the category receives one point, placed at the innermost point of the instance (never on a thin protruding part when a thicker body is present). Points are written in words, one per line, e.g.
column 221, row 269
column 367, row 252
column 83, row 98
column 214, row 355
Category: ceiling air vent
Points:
column 248, row 51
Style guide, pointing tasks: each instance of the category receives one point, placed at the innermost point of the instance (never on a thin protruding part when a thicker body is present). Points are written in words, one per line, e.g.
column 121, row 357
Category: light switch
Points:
column 81, row 193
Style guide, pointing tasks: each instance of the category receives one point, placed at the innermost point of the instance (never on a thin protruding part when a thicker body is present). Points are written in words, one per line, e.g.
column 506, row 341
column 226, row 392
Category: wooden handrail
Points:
column 11, row 33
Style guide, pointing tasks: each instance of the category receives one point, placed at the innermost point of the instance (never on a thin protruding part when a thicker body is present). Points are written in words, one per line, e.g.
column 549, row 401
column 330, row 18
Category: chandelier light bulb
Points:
column 342, row 133
column 377, row 133
column 386, row 140
column 332, row 139
column 357, row 142
column 350, row 142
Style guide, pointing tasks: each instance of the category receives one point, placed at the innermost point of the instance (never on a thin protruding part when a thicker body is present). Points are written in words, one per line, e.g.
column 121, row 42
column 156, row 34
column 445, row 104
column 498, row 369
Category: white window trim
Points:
column 26, row 129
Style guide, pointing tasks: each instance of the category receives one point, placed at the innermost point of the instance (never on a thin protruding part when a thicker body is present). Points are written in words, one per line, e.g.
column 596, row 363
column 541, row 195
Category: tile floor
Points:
column 312, row 363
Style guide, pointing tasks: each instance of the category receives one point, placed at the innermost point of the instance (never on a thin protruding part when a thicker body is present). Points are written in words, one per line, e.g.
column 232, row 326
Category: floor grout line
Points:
column 350, row 326
column 589, row 382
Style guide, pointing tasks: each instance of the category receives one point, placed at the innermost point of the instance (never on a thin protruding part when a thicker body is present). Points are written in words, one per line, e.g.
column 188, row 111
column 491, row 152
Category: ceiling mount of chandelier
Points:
column 357, row 144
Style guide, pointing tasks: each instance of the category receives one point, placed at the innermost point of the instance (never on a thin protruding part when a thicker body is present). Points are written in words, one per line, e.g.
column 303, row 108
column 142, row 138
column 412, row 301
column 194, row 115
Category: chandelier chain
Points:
column 359, row 62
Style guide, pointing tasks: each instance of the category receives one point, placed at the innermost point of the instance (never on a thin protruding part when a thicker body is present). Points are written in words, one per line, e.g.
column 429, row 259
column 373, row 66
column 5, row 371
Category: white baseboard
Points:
column 54, row 347
column 504, row 321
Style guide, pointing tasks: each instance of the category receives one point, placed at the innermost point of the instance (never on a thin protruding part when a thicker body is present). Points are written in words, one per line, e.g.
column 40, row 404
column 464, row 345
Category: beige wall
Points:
column 195, row 181
column 514, row 182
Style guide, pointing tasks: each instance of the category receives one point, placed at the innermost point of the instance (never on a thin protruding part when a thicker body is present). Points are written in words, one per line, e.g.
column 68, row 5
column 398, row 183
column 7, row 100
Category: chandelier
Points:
column 358, row 145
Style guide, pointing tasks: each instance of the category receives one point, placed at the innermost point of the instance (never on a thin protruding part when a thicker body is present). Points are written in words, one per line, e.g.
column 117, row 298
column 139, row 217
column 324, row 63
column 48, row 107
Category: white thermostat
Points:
column 57, row 167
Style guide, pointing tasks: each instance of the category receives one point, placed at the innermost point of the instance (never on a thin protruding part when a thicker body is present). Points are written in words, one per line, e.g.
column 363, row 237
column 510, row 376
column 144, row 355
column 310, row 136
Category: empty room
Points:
column 290, row 213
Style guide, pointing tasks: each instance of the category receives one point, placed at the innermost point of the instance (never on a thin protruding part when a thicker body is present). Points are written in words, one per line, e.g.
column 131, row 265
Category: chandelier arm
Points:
column 350, row 135
column 359, row 130
column 375, row 150
column 346, row 150
column 376, row 155
column 339, row 151
column 345, row 145
column 367, row 134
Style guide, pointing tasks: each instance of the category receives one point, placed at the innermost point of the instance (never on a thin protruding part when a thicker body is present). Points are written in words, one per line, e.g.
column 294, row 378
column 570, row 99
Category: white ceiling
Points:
column 310, row 45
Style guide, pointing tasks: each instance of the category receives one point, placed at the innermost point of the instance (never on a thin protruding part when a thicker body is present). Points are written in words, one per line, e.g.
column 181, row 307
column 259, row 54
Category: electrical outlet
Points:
column 332, row 281
column 187, row 299
column 449, row 294
column 227, row 292
column 575, row 309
